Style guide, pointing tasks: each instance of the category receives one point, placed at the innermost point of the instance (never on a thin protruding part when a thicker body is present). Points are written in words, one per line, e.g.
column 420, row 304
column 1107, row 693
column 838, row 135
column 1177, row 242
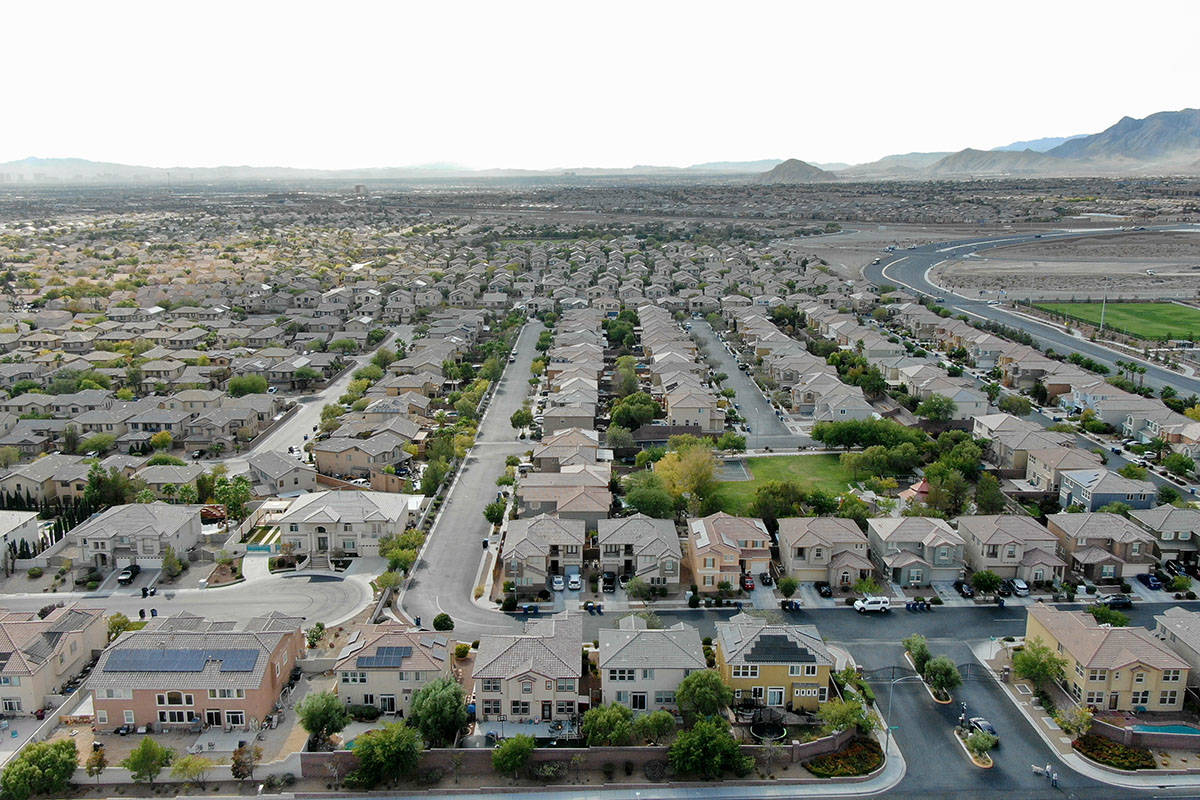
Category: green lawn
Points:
column 1147, row 320
column 812, row 472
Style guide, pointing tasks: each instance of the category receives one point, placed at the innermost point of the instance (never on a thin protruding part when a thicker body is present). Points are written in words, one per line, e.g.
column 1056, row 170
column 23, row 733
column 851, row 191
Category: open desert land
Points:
column 1146, row 266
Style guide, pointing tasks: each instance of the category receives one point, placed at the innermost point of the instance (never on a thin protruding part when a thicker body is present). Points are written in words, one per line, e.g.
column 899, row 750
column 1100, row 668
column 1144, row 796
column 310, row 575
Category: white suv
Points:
column 880, row 604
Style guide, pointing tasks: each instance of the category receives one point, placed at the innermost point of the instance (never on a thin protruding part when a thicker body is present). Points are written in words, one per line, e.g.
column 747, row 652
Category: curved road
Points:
column 910, row 269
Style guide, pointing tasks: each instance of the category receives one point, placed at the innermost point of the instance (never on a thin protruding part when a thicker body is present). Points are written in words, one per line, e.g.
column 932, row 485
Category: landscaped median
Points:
column 939, row 675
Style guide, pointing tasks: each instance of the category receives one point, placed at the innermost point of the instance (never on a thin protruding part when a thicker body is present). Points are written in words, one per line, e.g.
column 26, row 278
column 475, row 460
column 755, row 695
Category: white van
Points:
column 879, row 604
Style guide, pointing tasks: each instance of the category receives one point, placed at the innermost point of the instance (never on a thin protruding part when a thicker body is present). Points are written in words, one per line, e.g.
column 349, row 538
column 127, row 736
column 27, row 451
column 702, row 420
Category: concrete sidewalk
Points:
column 1061, row 744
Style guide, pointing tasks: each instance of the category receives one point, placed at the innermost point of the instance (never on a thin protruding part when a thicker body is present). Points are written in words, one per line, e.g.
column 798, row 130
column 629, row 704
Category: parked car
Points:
column 623, row 580
column 127, row 575
column 574, row 582
column 1018, row 587
column 866, row 604
column 197, row 454
column 1172, row 568
column 748, row 583
column 608, row 581
column 823, row 588
column 964, row 588
column 765, row 578
column 982, row 725
column 1004, row 590
column 557, row 583
column 1114, row 601
column 1149, row 580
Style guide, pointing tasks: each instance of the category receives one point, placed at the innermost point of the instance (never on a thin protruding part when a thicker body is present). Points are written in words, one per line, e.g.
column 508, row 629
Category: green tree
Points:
column 645, row 491
column 1016, row 405
column 243, row 760
column 162, row 440
column 118, row 623
column 494, row 512
column 304, row 376
column 439, row 711
column 322, row 715
column 511, row 756
column 653, row 727
column 840, row 715
column 191, row 769
column 608, row 726
column 147, row 760
column 985, row 581
column 708, row 750
column 788, row 585
column 246, row 384
column 937, row 408
column 942, row 676
column 980, row 742
column 1135, row 472
column 1108, row 616
column 918, row 650
column 96, row 763
column 638, row 589
column 443, row 622
column 386, row 755
column 40, row 768
column 1178, row 464
column 634, row 411
column 1075, row 721
column 732, row 442
column 619, row 438
column 171, row 564
column 988, row 497
column 233, row 494
column 703, row 693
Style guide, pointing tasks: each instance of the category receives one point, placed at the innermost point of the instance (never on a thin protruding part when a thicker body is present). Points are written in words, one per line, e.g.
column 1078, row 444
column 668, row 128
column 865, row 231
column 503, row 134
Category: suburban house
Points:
column 273, row 473
column 1095, row 488
column 358, row 457
column 641, row 667
column 532, row 675
column 350, row 522
column 915, row 551
column 1111, row 669
column 44, row 653
column 780, row 666
column 541, row 546
column 385, row 664
column 185, row 671
column 1175, row 528
column 1044, row 466
column 1011, row 546
column 722, row 548
column 1179, row 629
column 642, row 547
column 828, row 549
column 1102, row 546
column 136, row 533
column 17, row 527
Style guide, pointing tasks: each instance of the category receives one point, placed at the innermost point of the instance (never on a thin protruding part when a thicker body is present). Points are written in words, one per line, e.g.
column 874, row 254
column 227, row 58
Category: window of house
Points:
column 491, row 684
column 564, row 708
column 235, row 717
column 527, row 687
column 519, row 707
column 1171, row 675
column 647, row 674
column 1095, row 698
column 1135, row 548
column 1139, row 677
column 1097, row 674
column 565, row 685
column 745, row 670
column 1010, row 551
column 664, row 698
column 621, row 674
column 491, row 707
column 177, row 716
column 818, row 553
column 102, row 717
column 129, row 718
column 1168, row 698
column 708, row 580
column 12, row 704
column 354, row 677
column 1140, row 698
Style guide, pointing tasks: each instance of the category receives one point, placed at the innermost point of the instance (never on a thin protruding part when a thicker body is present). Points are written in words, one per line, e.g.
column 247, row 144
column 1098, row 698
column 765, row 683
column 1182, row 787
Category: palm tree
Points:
column 1157, row 444
column 169, row 491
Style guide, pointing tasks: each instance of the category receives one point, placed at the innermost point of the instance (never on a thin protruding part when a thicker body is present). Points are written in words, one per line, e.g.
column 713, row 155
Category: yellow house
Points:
column 1116, row 669
column 783, row 666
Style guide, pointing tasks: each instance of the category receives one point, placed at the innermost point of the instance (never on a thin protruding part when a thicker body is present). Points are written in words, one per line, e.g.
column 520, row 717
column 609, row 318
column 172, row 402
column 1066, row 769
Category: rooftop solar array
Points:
column 183, row 660
column 385, row 657
column 778, row 649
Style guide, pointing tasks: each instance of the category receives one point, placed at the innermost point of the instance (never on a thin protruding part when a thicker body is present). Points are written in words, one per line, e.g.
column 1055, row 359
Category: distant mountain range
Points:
column 1166, row 143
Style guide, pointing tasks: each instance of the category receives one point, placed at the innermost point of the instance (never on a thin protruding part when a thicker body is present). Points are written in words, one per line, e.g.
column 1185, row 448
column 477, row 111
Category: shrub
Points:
column 462, row 650
column 859, row 757
column 360, row 713
column 34, row 572
column 1114, row 754
column 92, row 586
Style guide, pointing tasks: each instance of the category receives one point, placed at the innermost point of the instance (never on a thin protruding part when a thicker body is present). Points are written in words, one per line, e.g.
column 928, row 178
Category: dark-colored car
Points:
column 623, row 581
column 1004, row 591
column 127, row 575
column 964, row 588
column 1150, row 580
column 824, row 589
column 1115, row 601
column 1172, row 568
column 748, row 583
column 981, row 724
column 765, row 578
column 608, row 581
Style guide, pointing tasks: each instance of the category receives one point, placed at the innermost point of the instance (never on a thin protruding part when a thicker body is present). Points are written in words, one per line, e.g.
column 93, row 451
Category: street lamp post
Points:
column 887, row 722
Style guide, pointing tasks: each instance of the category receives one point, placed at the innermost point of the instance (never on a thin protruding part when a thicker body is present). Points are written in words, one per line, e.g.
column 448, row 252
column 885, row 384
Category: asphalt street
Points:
column 909, row 268
column 443, row 580
column 766, row 429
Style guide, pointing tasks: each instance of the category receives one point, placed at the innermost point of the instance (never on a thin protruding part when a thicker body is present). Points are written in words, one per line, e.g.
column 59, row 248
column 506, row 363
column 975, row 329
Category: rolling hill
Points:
column 795, row 171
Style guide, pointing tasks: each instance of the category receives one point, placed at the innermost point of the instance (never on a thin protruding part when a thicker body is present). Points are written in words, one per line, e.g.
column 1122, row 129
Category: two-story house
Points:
column 780, row 666
column 43, row 653
column 1011, row 546
column 136, row 533
column 1095, row 488
column 386, row 664
column 642, row 547
column 532, row 675
column 1102, row 546
column 915, row 551
column 828, row 549
column 641, row 667
column 539, row 547
column 721, row 548
column 350, row 522
column 1175, row 528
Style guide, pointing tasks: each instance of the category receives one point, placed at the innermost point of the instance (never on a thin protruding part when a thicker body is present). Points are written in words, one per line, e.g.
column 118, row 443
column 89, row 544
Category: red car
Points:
column 748, row 583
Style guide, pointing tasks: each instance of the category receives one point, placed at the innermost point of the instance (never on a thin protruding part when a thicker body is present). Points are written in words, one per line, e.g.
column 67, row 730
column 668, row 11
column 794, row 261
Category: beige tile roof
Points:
column 1097, row 647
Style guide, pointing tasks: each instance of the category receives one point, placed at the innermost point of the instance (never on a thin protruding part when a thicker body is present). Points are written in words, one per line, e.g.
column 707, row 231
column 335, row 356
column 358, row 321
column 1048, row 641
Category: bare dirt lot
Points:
column 1150, row 265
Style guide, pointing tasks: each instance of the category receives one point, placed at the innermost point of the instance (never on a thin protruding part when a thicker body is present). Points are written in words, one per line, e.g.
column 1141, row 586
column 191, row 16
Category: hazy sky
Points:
column 537, row 85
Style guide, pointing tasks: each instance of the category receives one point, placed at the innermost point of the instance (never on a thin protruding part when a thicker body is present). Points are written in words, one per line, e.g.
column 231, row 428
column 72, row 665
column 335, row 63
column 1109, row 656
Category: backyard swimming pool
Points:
column 1188, row 729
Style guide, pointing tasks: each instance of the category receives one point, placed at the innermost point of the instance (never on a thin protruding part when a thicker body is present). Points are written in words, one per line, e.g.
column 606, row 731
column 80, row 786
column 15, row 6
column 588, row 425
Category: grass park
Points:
column 823, row 471
column 1143, row 320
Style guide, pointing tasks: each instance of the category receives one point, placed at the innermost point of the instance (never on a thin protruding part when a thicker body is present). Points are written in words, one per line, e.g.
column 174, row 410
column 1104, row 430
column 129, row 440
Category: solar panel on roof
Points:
column 776, row 648
column 385, row 657
column 184, row 660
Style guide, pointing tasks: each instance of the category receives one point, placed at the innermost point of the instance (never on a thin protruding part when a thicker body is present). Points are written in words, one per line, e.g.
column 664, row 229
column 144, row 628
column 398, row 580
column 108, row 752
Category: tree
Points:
column 620, row 438
column 96, row 763
column 1178, row 464
column 708, row 750
column 386, row 755
column 322, row 715
column 171, row 564
column 937, row 408
column 70, row 439
column 638, row 589
column 1135, row 472
column 147, row 760
column 988, row 497
column 634, row 411
column 949, row 494
column 513, row 754
column 494, row 512
column 692, row 472
column 980, row 742
column 703, row 693
column 438, row 711
column 732, row 442
column 646, row 492
column 246, row 384
column 942, row 676
column 304, row 376
column 788, row 585
column 653, row 727
column 118, row 623
column 985, row 581
column 608, row 726
column 1075, row 721
column 1015, row 404
column 191, row 769
column 1108, row 616
column 1038, row 663
column 918, row 650
column 243, row 760
column 162, row 440
column 40, row 768
column 233, row 494
column 442, row 622
column 10, row 455
column 840, row 715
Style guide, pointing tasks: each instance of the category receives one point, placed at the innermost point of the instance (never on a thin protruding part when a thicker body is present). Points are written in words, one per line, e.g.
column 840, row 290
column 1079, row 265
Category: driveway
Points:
column 766, row 429
column 444, row 579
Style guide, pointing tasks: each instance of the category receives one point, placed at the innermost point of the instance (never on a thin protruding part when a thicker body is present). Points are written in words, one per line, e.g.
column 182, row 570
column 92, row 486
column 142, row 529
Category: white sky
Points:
column 538, row 85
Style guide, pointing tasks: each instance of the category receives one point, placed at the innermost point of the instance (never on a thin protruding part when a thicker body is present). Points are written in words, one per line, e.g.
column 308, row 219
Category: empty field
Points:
column 822, row 471
column 1146, row 320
